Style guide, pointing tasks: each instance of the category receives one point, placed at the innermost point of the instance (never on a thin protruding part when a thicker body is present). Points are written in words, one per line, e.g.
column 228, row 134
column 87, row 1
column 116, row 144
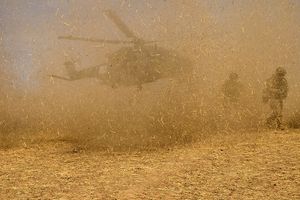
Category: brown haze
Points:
column 251, row 38
column 171, row 140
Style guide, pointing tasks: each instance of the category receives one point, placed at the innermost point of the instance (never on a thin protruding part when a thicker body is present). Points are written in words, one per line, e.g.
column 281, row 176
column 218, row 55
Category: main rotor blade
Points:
column 119, row 23
column 94, row 40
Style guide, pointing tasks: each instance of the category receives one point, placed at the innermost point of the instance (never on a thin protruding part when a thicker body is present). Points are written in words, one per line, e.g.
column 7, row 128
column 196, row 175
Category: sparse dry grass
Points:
column 247, row 165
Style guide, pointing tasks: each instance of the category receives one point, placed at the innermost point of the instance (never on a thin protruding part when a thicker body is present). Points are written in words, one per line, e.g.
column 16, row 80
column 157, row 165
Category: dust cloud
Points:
column 251, row 38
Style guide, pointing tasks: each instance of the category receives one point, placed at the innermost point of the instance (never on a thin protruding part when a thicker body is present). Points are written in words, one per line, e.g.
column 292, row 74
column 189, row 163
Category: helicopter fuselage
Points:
column 143, row 64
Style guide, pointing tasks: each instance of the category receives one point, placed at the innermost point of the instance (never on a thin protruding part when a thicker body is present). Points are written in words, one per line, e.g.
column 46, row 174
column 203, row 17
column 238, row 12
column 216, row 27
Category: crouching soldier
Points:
column 276, row 90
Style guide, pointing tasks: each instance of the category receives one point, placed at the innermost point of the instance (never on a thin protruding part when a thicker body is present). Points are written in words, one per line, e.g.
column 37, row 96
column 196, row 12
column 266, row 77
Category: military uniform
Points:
column 275, row 92
column 232, row 89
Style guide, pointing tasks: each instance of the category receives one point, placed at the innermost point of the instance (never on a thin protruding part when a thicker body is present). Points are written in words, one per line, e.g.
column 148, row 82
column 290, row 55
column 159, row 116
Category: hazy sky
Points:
column 29, row 28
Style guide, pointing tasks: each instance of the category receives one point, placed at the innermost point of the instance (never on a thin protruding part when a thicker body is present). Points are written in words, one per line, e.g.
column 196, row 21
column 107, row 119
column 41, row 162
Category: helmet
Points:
column 233, row 76
column 280, row 71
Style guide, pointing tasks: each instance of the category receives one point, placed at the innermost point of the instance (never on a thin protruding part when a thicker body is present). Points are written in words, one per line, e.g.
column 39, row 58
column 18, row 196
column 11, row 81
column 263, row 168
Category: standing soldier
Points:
column 231, row 90
column 275, row 92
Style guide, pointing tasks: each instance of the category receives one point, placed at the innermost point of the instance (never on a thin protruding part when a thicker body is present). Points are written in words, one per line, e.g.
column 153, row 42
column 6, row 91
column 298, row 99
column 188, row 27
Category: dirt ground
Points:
column 262, row 165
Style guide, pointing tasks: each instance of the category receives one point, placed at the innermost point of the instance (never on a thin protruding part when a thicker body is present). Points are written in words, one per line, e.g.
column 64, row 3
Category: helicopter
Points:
column 136, row 63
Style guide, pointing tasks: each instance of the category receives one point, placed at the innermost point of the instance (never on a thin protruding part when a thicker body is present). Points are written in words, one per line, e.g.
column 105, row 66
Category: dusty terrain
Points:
column 261, row 165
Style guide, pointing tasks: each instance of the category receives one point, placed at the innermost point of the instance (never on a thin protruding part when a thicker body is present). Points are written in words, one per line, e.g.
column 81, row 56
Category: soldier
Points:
column 276, row 90
column 232, row 89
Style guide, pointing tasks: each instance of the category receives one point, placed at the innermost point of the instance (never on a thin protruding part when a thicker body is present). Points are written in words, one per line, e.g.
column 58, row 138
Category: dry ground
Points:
column 261, row 165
